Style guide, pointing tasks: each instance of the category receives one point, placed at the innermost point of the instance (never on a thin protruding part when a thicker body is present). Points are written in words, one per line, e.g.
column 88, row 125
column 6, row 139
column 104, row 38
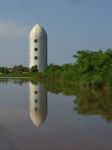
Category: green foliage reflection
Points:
column 92, row 102
column 88, row 101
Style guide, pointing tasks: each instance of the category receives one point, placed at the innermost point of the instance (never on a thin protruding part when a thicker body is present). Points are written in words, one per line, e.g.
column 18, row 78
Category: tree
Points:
column 20, row 68
column 34, row 69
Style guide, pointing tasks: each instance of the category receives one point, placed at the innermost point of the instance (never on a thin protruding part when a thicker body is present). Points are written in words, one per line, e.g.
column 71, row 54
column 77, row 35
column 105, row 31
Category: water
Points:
column 33, row 118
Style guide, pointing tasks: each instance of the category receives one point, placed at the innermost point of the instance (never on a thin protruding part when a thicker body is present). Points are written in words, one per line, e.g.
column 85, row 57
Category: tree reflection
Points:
column 88, row 101
column 92, row 102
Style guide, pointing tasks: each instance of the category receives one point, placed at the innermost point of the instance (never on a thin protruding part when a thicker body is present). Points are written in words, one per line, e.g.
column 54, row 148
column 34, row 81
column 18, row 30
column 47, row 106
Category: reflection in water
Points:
column 88, row 101
column 37, row 103
column 91, row 102
column 65, row 129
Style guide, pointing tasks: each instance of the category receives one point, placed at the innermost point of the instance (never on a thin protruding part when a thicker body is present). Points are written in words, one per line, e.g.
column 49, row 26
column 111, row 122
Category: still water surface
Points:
column 31, row 118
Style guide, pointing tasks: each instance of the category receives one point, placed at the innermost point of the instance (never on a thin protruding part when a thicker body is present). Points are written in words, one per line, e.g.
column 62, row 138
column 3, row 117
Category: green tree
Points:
column 34, row 69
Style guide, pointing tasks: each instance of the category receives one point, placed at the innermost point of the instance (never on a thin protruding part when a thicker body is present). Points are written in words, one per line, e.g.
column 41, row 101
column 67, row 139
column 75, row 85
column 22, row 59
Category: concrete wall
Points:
column 38, row 48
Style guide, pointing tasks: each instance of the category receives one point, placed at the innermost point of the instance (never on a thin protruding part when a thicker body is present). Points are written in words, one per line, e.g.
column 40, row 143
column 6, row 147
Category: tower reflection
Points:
column 37, row 103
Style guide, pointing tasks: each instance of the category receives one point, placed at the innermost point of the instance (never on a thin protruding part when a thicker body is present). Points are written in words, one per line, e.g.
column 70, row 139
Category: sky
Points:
column 71, row 25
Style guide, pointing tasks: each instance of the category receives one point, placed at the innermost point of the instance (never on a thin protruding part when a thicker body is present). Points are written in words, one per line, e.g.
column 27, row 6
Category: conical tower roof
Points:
column 37, row 30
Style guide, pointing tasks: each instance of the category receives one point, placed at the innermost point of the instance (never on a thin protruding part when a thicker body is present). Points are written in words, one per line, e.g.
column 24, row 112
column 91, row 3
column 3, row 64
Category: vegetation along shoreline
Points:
column 90, row 69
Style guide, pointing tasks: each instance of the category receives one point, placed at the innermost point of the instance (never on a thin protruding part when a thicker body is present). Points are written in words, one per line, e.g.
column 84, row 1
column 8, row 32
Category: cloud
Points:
column 10, row 30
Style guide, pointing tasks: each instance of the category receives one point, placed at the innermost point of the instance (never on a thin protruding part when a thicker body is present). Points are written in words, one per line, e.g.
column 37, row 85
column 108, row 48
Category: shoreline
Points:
column 14, row 77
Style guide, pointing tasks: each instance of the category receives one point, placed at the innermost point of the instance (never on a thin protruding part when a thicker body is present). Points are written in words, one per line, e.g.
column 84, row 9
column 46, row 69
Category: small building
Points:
column 38, row 48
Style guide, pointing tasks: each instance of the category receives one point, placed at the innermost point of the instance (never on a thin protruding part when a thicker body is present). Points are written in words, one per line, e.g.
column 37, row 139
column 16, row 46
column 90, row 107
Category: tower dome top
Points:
column 38, row 118
column 37, row 30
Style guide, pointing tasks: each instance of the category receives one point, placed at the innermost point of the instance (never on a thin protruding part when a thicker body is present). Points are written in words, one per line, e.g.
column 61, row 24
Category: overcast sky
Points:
column 70, row 24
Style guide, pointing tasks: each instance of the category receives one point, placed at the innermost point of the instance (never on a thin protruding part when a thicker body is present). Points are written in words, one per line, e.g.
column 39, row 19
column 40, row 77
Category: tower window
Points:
column 35, row 57
column 36, row 49
column 36, row 100
column 36, row 108
column 35, row 92
column 35, row 40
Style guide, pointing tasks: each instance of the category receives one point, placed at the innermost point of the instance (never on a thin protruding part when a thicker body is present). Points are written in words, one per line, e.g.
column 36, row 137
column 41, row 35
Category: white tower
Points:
column 37, row 103
column 38, row 48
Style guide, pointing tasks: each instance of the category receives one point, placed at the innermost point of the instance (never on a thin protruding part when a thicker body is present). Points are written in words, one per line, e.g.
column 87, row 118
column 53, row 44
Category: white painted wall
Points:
column 40, row 34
